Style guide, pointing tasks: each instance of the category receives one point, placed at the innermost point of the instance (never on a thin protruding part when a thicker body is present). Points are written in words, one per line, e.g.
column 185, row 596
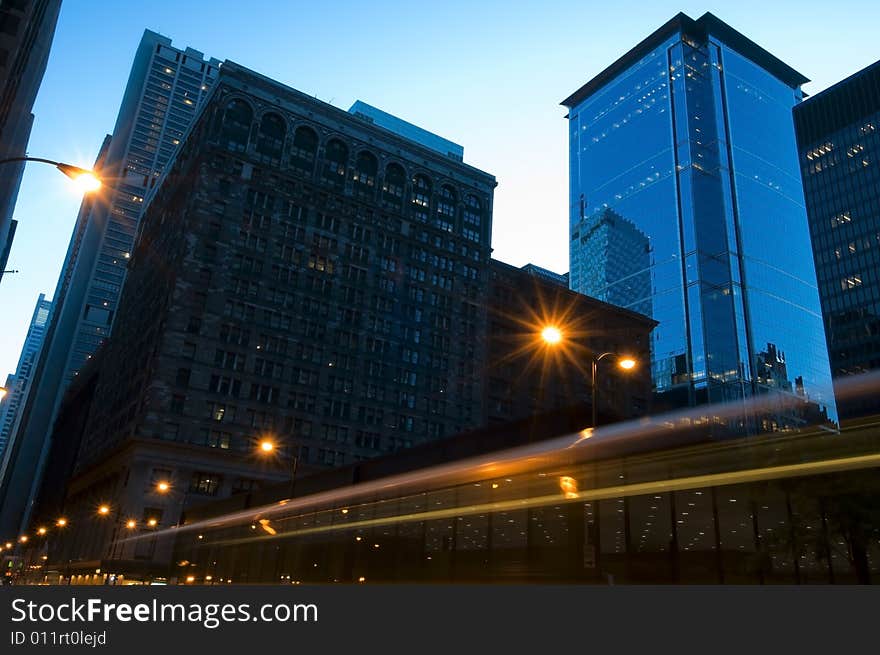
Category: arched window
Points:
column 365, row 171
column 421, row 197
column 270, row 138
column 335, row 162
column 303, row 149
column 472, row 218
column 445, row 218
column 393, row 184
column 237, row 119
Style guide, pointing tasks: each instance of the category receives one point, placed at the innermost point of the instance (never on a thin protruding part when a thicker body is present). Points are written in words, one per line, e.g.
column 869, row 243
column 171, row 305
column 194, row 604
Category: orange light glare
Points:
column 569, row 486
column 551, row 335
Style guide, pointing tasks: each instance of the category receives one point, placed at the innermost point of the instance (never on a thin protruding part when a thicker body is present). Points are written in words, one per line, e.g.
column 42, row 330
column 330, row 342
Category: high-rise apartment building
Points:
column 304, row 275
column 838, row 134
column 18, row 383
column 687, row 205
column 26, row 32
column 164, row 90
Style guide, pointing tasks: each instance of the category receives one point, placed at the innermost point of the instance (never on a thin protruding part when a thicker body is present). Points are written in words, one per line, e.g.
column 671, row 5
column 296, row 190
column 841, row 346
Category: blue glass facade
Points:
column 687, row 205
column 839, row 138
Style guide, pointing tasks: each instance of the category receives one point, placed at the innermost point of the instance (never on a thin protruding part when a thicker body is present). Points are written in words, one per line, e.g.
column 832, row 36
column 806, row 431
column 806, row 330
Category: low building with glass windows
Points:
column 653, row 501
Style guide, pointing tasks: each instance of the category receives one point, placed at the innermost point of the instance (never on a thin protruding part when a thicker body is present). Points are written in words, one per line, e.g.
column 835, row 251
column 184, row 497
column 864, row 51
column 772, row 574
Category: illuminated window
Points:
column 851, row 282
column 841, row 219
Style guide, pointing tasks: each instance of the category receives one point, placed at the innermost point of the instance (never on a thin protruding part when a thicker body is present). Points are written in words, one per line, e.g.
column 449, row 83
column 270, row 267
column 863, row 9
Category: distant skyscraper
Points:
column 623, row 275
column 18, row 384
column 839, row 140
column 164, row 90
column 684, row 186
column 26, row 32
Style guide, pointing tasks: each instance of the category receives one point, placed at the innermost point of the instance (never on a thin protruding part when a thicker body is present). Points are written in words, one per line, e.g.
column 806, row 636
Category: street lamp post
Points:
column 553, row 336
column 164, row 487
column 267, row 446
column 626, row 363
column 86, row 179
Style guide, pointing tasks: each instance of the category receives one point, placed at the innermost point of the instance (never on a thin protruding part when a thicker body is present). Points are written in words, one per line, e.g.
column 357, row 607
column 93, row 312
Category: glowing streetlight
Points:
column 23, row 539
column 163, row 487
column 131, row 524
column 266, row 447
column 551, row 334
column 626, row 363
column 41, row 531
column 8, row 545
column 84, row 179
column 61, row 522
column 3, row 392
column 103, row 510
column 152, row 522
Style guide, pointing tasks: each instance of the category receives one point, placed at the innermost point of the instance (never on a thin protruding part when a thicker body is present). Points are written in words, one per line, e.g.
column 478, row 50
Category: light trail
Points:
column 616, row 491
column 650, row 433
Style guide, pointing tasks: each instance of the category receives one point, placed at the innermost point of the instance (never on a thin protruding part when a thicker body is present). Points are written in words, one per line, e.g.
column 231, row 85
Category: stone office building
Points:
column 303, row 275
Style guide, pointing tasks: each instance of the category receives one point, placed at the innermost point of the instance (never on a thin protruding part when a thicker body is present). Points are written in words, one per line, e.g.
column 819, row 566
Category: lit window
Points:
column 851, row 282
column 841, row 219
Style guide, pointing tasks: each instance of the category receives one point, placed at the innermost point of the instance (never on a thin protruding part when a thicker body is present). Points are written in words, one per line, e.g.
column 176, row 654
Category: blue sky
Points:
column 488, row 75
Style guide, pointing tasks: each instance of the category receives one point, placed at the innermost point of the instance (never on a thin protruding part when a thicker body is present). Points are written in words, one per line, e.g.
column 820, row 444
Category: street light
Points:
column 164, row 487
column 553, row 336
column 3, row 390
column 85, row 179
column 266, row 447
column 103, row 510
column 61, row 522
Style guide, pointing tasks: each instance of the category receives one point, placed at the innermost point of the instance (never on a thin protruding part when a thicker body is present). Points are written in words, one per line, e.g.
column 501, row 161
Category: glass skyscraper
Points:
column 17, row 384
column 687, row 205
column 165, row 88
column 839, row 138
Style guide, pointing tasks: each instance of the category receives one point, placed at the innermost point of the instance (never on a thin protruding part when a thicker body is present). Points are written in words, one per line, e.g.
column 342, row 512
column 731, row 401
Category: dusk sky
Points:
column 488, row 75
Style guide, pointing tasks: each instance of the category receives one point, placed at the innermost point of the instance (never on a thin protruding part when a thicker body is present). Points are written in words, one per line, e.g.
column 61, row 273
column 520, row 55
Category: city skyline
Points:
column 485, row 41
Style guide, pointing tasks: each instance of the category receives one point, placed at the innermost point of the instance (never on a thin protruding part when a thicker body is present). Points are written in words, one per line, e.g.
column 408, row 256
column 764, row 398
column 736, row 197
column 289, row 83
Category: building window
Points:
column 236, row 127
column 365, row 171
column 182, row 378
column 304, row 149
column 206, row 484
column 270, row 138
column 335, row 162
column 421, row 197
column 393, row 185
column 851, row 282
column 473, row 212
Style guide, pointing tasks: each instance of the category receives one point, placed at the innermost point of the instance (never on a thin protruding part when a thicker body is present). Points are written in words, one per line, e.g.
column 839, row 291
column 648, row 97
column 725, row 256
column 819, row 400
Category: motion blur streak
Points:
column 562, row 455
